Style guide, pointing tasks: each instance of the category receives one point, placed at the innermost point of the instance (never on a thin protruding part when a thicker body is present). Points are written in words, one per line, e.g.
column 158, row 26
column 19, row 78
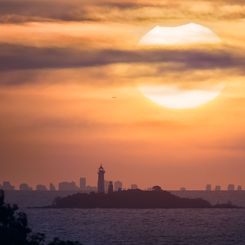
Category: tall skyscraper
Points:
column 83, row 183
column 110, row 187
column 101, row 183
column 106, row 184
column 208, row 187
column 230, row 187
column 52, row 187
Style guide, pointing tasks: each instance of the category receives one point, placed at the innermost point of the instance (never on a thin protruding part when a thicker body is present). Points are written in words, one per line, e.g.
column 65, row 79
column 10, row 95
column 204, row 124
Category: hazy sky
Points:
column 62, row 62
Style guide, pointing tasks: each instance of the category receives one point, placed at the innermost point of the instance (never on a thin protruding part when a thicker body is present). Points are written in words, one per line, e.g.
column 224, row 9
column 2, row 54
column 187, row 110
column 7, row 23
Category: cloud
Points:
column 15, row 57
column 46, row 127
column 112, row 10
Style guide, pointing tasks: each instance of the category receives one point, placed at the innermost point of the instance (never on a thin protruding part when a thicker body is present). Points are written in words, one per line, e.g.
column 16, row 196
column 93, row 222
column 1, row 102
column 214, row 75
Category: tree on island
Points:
column 14, row 229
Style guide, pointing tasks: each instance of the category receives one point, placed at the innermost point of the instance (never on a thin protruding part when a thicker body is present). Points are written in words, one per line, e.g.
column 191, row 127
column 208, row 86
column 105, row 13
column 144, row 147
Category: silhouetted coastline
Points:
column 134, row 199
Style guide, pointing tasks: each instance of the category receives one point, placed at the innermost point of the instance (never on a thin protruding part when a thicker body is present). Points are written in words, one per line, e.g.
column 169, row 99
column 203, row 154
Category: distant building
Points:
column 106, row 184
column 101, row 180
column 134, row 187
column 217, row 188
column 182, row 189
column 7, row 186
column 230, row 187
column 118, row 185
column 83, row 183
column 68, row 186
column 110, row 187
column 41, row 188
column 239, row 188
column 208, row 187
column 52, row 187
column 25, row 187
column 1, row 197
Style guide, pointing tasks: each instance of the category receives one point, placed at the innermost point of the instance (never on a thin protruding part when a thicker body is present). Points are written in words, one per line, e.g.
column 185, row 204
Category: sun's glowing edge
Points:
column 175, row 98
column 180, row 35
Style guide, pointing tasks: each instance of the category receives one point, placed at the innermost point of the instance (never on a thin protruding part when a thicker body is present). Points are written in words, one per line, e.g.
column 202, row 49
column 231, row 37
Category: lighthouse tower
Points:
column 101, row 180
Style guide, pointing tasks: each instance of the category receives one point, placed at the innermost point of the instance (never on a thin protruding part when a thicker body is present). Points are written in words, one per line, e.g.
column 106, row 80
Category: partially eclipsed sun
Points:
column 180, row 35
column 173, row 96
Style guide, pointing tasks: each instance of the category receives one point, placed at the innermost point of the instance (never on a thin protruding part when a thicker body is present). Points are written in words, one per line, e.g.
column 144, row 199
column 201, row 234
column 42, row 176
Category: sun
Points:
column 172, row 96
column 175, row 98
column 180, row 35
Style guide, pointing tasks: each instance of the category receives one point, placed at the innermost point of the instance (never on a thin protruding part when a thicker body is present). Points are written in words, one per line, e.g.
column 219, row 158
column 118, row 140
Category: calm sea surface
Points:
column 142, row 227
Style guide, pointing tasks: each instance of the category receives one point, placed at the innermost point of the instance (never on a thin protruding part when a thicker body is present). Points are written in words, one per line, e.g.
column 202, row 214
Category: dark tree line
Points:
column 157, row 198
column 14, row 229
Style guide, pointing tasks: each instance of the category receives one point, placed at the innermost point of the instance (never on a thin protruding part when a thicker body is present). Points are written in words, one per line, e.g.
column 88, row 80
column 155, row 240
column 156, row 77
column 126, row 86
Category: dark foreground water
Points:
column 142, row 227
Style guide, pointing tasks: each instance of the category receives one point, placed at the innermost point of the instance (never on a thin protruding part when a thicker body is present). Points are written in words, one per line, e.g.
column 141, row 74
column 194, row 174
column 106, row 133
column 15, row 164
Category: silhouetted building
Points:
column 239, row 188
column 217, row 188
column 1, row 197
column 52, row 187
column 230, row 187
column 106, row 184
column 7, row 186
column 110, row 187
column 101, row 180
column 118, row 185
column 25, row 187
column 68, row 186
column 41, row 188
column 182, row 189
column 156, row 188
column 208, row 187
column 134, row 187
column 83, row 183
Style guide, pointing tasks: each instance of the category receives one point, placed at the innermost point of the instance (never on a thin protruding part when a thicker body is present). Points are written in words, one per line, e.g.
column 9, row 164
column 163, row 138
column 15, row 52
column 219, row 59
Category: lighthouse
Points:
column 101, row 180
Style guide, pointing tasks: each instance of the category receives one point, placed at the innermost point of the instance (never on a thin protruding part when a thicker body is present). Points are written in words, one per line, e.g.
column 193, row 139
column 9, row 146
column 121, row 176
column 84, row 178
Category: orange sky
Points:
column 60, row 70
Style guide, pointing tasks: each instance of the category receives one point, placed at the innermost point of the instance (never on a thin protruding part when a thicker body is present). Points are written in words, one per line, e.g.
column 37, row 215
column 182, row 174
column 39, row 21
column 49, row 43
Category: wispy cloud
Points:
column 111, row 10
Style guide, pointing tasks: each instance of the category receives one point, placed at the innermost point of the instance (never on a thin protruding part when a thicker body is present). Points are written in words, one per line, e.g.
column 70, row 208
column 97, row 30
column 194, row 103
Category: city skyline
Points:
column 102, row 185
column 72, row 186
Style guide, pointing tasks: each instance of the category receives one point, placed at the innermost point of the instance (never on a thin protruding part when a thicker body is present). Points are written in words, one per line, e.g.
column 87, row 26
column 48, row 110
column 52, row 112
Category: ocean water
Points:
column 142, row 227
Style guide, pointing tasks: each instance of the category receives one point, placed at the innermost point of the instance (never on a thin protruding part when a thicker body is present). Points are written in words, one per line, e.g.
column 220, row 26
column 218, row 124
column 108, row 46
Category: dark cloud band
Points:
column 14, row 57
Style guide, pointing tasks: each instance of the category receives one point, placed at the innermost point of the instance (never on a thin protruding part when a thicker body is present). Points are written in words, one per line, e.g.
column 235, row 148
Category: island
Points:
column 132, row 199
